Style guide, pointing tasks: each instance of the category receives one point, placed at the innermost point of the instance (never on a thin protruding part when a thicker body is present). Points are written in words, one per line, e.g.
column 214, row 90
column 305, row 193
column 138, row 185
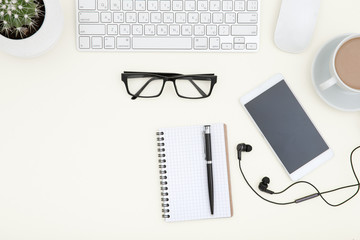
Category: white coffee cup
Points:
column 335, row 79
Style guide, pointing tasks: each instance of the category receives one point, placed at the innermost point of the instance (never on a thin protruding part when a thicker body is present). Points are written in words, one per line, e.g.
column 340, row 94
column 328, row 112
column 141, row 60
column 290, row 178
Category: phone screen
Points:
column 286, row 126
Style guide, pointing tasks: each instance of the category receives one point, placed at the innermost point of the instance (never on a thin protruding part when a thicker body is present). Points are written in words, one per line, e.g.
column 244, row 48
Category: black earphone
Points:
column 264, row 184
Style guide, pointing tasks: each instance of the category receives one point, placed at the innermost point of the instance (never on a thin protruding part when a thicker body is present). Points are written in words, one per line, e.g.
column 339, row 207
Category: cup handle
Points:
column 328, row 83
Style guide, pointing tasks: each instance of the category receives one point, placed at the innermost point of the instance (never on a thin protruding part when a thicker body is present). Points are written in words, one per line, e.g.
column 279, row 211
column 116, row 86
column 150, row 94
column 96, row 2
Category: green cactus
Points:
column 18, row 16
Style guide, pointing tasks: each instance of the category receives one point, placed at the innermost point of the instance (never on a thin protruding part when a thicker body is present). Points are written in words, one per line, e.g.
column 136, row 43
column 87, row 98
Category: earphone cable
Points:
column 267, row 200
column 316, row 189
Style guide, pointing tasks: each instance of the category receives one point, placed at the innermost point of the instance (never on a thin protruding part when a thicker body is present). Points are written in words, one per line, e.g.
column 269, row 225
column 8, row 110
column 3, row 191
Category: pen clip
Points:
column 204, row 143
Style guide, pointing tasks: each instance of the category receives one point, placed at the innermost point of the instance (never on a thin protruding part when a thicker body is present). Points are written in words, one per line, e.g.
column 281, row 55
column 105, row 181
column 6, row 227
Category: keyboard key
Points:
column 214, row 43
column 247, row 17
column 84, row 42
column 211, row 30
column 168, row 17
column 239, row 40
column 217, row 18
column 230, row 17
column 199, row 30
column 180, row 17
column 165, row 5
column 223, row 30
column 90, row 29
column 200, row 43
column 106, row 17
column 128, row 5
column 87, row 4
column 239, row 46
column 124, row 29
column 123, row 42
column 202, row 5
column 190, row 5
column 143, row 17
column 109, row 42
column 215, row 6
column 239, row 6
column 252, row 5
column 227, row 5
column 226, row 46
column 96, row 42
column 251, row 46
column 186, row 30
column 115, row 5
column 140, row 5
column 152, row 5
column 174, row 30
column 137, row 29
column 244, row 30
column 155, row 17
column 112, row 29
column 130, row 17
column 149, row 29
column 87, row 17
column 205, row 17
column 170, row 43
column 162, row 30
column 118, row 17
column 193, row 17
column 177, row 5
column 103, row 4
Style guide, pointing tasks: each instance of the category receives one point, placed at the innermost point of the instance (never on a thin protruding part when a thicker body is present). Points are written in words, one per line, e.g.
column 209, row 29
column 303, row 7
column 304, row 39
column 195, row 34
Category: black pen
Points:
column 208, row 159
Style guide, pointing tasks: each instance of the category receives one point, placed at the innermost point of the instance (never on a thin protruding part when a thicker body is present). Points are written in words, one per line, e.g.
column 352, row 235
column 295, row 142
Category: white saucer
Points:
column 334, row 96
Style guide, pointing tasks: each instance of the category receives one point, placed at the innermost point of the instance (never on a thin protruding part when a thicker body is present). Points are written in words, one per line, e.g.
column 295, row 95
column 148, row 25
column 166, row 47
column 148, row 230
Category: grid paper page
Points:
column 187, row 174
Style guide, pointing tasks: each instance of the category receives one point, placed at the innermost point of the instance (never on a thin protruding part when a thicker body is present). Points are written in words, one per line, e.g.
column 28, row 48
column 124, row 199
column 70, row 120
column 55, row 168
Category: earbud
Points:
column 242, row 147
column 264, row 185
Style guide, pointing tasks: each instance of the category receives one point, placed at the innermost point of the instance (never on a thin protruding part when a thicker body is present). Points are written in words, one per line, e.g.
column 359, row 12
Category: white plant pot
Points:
column 43, row 39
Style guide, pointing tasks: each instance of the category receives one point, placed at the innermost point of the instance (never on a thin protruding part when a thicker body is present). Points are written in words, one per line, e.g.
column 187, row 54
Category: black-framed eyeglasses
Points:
column 151, row 84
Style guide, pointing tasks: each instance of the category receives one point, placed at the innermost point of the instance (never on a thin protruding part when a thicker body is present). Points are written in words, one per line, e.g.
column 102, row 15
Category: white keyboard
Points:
column 168, row 25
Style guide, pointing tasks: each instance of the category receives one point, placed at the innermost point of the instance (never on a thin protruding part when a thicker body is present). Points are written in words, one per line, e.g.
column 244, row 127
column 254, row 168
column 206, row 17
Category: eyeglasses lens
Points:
column 145, row 86
column 191, row 87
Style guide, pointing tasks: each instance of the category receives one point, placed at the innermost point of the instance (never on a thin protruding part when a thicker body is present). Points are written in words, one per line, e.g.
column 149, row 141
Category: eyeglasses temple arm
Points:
column 197, row 88
column 137, row 94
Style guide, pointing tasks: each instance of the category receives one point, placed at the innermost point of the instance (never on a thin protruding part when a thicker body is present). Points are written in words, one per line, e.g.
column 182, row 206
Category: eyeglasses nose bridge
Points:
column 166, row 79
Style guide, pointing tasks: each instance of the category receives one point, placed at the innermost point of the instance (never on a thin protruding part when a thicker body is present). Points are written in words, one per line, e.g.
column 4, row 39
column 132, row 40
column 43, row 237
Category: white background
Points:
column 78, row 158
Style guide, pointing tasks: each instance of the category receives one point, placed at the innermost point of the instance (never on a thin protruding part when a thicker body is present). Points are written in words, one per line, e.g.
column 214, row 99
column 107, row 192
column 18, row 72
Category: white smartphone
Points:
column 286, row 127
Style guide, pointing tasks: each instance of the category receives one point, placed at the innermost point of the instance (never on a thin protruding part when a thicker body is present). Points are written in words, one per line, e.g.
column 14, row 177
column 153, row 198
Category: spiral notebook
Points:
column 183, row 174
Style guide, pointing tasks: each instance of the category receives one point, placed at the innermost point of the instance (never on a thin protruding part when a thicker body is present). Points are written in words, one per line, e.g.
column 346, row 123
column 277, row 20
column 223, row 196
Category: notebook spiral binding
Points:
column 163, row 176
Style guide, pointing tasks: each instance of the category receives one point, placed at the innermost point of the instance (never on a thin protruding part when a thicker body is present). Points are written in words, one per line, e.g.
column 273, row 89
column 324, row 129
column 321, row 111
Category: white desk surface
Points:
column 78, row 158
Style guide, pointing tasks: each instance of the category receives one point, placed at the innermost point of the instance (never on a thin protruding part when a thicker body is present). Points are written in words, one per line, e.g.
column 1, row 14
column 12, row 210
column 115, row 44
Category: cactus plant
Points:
column 20, row 18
